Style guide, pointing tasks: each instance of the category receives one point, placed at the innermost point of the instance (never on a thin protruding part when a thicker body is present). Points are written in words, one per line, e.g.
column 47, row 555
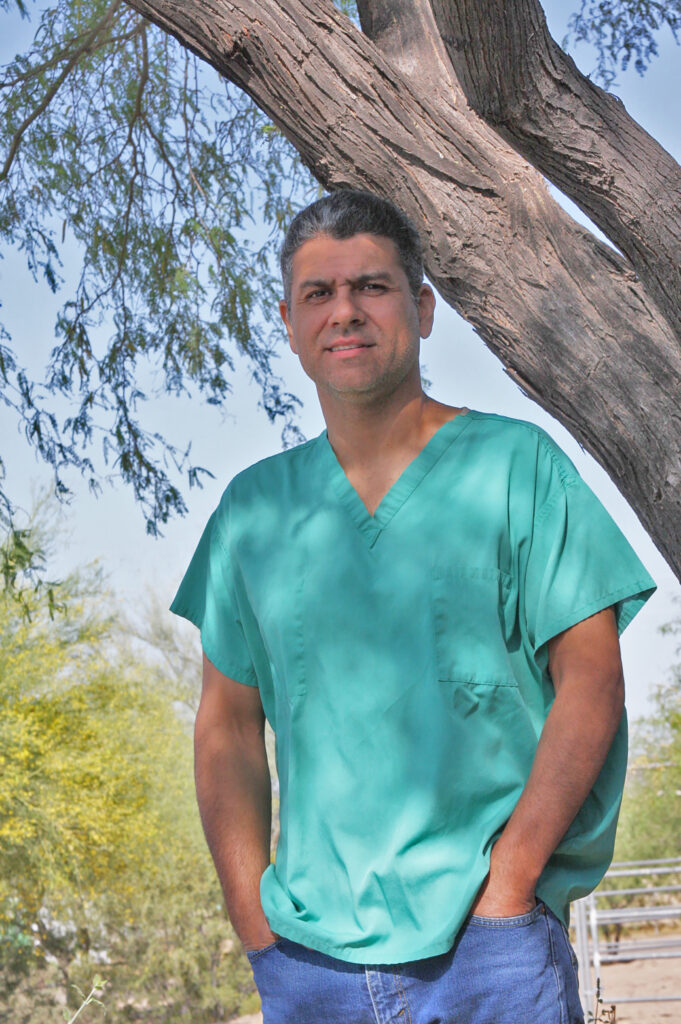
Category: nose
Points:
column 346, row 310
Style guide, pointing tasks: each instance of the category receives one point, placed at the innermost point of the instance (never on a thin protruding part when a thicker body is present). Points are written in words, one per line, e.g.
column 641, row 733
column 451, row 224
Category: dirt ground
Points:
column 643, row 978
column 637, row 978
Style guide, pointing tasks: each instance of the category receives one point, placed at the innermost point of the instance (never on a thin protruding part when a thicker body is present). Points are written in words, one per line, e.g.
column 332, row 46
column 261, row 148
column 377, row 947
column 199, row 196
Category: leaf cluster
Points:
column 103, row 865
column 24, row 552
column 98, row 986
column 650, row 822
column 622, row 30
column 124, row 153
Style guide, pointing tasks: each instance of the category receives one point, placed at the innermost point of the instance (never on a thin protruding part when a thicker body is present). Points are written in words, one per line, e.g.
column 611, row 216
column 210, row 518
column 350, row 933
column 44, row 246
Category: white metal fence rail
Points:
column 657, row 900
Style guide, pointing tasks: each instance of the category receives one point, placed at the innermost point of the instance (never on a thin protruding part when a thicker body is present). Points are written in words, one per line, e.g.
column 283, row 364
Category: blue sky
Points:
column 111, row 528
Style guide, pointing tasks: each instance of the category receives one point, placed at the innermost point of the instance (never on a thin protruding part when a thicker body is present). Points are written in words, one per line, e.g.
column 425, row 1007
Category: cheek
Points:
column 401, row 321
column 304, row 337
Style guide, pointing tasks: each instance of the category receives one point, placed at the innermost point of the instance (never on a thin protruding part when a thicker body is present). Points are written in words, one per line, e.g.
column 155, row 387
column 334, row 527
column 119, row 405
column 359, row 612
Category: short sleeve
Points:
column 206, row 597
column 578, row 560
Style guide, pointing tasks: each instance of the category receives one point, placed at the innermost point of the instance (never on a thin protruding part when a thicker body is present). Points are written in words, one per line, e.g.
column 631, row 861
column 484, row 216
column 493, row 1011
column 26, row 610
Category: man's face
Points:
column 352, row 319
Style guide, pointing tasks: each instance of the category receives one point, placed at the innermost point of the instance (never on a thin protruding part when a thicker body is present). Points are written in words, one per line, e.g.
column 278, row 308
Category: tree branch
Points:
column 562, row 310
column 87, row 46
column 582, row 138
column 64, row 54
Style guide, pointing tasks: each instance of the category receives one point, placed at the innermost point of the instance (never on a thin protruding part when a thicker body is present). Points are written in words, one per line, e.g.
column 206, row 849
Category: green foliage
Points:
column 121, row 150
column 103, row 865
column 125, row 155
column 650, row 823
column 98, row 985
column 621, row 30
column 23, row 564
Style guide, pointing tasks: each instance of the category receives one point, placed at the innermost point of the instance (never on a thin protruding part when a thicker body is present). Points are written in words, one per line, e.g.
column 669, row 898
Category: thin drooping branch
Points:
column 520, row 81
column 90, row 41
column 34, row 71
column 565, row 313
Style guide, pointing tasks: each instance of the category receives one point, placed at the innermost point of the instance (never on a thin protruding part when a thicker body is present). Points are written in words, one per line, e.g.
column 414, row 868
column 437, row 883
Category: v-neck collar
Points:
column 405, row 485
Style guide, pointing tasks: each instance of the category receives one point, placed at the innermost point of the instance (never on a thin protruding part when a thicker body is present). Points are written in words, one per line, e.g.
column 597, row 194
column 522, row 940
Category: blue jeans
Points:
column 515, row 970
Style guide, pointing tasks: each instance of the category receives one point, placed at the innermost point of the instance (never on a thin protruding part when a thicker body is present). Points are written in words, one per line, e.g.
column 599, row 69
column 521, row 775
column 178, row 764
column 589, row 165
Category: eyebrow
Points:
column 378, row 275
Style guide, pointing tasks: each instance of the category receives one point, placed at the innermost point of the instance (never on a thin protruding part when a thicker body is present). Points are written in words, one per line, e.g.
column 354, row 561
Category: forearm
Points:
column 234, row 797
column 574, row 744
column 586, row 669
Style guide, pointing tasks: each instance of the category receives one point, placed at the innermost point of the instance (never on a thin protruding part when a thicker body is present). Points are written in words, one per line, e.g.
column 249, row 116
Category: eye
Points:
column 373, row 286
column 318, row 293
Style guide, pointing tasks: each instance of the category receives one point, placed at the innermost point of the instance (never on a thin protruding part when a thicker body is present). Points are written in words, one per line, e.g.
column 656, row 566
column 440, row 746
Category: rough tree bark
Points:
column 582, row 138
column 383, row 109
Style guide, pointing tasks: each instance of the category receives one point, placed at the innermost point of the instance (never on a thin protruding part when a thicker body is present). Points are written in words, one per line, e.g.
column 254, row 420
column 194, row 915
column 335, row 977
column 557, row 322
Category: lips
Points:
column 348, row 345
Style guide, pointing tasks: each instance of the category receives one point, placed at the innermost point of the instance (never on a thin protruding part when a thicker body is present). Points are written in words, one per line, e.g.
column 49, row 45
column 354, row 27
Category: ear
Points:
column 426, row 309
column 283, row 312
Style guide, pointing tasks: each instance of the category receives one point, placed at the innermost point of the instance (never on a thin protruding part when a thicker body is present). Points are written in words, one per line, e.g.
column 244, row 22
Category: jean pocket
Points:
column 471, row 612
column 255, row 954
column 509, row 922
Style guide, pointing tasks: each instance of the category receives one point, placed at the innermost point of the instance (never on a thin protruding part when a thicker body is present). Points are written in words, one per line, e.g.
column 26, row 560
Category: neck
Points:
column 365, row 435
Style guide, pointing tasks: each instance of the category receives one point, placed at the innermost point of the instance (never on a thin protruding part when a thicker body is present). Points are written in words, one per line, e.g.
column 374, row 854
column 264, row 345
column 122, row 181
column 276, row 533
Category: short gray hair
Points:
column 351, row 212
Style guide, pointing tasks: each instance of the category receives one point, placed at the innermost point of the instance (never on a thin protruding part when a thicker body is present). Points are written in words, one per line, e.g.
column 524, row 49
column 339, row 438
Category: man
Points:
column 424, row 602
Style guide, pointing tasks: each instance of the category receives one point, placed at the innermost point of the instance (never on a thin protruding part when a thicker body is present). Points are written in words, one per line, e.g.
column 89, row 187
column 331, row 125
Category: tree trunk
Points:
column 566, row 314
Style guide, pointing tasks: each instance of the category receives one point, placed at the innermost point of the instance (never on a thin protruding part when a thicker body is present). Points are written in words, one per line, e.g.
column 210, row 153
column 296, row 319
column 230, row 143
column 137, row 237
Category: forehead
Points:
column 335, row 259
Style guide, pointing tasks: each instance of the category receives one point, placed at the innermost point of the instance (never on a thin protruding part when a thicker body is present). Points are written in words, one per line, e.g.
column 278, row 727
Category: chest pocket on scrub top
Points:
column 469, row 610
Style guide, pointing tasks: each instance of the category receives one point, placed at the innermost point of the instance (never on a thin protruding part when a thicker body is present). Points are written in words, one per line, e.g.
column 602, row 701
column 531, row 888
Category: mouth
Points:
column 350, row 345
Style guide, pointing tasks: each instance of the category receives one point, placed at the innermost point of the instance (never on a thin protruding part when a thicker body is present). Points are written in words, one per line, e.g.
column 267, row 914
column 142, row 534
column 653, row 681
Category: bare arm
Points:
column 233, row 791
column 586, row 668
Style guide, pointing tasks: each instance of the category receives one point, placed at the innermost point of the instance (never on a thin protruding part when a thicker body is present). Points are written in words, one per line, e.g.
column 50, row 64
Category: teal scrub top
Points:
column 401, row 660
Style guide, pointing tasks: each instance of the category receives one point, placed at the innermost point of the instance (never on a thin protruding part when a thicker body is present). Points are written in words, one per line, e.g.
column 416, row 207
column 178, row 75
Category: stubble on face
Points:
column 353, row 320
